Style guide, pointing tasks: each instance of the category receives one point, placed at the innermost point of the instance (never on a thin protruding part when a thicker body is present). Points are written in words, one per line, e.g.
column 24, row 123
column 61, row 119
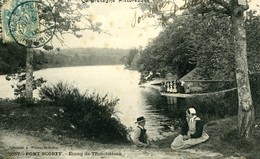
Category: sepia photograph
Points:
column 130, row 79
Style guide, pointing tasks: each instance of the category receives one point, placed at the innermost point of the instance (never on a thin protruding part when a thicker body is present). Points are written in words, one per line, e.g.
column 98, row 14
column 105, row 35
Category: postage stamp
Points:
column 25, row 23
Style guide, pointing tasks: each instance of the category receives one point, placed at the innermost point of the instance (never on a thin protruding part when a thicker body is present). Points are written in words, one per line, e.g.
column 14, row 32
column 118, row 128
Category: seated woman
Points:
column 191, row 132
column 140, row 136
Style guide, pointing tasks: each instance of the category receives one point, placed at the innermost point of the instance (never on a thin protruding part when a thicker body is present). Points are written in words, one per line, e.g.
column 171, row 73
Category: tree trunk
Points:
column 246, row 114
column 29, row 75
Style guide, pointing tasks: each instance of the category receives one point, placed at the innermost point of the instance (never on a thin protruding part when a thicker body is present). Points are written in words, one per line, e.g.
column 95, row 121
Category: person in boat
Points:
column 141, row 138
column 163, row 87
column 182, row 90
column 178, row 86
column 192, row 132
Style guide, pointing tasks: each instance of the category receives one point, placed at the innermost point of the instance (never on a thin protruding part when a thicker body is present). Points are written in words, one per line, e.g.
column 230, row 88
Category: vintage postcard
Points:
column 129, row 79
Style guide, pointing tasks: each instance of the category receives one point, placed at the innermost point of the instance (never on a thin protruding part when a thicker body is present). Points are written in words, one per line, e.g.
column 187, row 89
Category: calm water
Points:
column 117, row 82
column 161, row 112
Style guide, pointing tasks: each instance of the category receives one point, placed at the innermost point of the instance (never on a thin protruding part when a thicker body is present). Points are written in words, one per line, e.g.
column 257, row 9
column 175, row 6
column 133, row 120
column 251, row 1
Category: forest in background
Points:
column 13, row 57
column 80, row 57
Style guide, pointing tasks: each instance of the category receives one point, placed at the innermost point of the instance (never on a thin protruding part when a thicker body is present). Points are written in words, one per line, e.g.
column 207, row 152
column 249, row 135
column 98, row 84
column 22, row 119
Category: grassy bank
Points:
column 41, row 120
column 46, row 122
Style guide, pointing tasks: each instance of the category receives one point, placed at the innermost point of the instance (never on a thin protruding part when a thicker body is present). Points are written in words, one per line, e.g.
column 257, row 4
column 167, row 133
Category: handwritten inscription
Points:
column 160, row 8
column 165, row 7
column 140, row 18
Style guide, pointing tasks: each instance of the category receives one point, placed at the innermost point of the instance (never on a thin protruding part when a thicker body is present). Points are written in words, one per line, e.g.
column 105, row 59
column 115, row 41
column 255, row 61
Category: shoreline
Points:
column 36, row 128
column 30, row 143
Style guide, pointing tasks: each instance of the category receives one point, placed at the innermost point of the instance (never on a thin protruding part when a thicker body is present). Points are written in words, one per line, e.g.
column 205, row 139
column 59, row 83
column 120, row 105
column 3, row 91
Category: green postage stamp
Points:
column 23, row 22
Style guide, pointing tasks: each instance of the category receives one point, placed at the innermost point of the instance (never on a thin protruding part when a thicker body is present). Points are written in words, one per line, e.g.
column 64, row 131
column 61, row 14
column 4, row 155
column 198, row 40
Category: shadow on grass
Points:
column 224, row 140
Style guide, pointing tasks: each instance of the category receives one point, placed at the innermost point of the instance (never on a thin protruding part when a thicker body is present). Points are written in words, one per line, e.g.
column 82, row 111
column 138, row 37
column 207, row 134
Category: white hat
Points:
column 192, row 111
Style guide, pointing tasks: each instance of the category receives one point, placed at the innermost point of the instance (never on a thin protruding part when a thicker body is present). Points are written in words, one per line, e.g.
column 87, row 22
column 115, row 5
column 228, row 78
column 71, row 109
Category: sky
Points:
column 117, row 19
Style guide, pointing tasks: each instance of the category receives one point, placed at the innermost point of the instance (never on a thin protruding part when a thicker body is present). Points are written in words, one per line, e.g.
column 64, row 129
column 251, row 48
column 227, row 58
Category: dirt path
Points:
column 22, row 146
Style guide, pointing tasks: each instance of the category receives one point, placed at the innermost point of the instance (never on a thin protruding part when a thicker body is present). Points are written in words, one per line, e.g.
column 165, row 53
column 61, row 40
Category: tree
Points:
column 172, row 50
column 245, row 110
column 189, row 42
column 235, row 9
column 12, row 57
column 130, row 57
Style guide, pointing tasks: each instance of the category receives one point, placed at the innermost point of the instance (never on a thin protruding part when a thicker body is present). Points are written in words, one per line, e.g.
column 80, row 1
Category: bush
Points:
column 92, row 115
